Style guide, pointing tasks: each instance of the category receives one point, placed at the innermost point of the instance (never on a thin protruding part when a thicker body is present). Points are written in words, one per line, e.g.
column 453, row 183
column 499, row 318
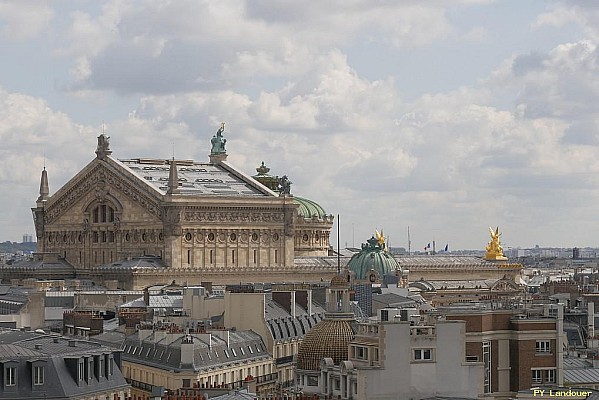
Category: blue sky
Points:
column 447, row 116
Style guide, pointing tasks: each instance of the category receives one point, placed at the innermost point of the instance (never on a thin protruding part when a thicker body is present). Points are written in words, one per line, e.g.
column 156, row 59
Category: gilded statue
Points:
column 494, row 249
column 380, row 238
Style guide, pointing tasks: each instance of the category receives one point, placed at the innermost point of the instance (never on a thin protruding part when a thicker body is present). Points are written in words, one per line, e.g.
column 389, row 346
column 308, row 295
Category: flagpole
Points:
column 409, row 242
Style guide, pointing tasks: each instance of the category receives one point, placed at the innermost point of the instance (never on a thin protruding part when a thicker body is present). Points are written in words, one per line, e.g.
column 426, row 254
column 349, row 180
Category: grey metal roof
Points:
column 587, row 375
column 236, row 395
column 165, row 301
column 442, row 260
column 24, row 348
column 163, row 350
column 194, row 178
column 577, row 363
column 392, row 299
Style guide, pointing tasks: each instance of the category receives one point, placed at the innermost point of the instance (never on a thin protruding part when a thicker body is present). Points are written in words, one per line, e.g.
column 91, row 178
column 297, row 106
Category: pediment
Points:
column 103, row 177
column 504, row 285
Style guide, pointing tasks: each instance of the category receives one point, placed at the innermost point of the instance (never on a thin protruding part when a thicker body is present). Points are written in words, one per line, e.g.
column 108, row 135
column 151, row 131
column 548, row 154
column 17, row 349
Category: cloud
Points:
column 185, row 46
column 32, row 135
column 24, row 19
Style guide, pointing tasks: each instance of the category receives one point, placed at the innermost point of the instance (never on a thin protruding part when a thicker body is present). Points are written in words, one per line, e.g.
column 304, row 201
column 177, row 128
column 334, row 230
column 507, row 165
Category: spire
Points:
column 44, row 188
column 173, row 179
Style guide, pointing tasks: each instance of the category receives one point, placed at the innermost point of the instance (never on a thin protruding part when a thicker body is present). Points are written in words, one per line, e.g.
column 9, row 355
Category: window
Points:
column 186, row 383
column 10, row 376
column 80, row 370
column 255, row 256
column 537, row 376
column 361, row 353
column 276, row 256
column 226, row 353
column 550, row 376
column 251, row 350
column 543, row 346
column 38, row 375
column 487, row 366
column 423, row 354
column 102, row 214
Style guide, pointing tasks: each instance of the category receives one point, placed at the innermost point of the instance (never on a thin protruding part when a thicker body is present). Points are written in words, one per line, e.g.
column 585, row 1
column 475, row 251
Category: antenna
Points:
column 338, row 248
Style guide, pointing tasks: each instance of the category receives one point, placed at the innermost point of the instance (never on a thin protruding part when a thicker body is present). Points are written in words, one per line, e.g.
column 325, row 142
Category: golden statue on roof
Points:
column 380, row 238
column 494, row 249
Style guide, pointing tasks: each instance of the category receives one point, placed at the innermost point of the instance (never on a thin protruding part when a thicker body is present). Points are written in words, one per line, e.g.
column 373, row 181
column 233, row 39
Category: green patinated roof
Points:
column 308, row 208
column 372, row 256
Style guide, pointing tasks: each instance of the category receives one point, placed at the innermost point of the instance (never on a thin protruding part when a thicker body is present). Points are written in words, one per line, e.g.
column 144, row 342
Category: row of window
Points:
column 134, row 350
column 540, row 376
column 211, row 257
column 232, row 237
column 37, row 375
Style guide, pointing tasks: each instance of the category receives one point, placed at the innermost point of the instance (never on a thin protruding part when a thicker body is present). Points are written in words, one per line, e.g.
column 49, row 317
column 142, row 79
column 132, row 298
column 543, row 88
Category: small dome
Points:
column 308, row 208
column 372, row 257
column 329, row 338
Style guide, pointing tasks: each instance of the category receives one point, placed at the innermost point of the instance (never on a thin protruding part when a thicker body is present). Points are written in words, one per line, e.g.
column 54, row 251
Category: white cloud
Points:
column 24, row 19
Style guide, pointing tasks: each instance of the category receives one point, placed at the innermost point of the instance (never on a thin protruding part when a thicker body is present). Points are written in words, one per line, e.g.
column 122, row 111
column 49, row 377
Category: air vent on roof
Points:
column 72, row 343
column 38, row 346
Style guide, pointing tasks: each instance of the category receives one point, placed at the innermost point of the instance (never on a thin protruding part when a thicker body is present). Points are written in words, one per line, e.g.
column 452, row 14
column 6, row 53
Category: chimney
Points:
column 187, row 350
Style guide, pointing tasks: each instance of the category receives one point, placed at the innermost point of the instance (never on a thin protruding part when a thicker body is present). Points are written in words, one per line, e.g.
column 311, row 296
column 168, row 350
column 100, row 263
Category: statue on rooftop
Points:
column 285, row 185
column 218, row 141
column 103, row 148
column 494, row 249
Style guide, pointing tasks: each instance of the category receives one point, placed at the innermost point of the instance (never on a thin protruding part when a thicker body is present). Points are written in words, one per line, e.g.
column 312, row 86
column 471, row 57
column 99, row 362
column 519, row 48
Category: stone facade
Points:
column 200, row 219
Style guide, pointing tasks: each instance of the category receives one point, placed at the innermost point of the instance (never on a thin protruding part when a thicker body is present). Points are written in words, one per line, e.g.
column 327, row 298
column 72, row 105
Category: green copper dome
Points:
column 373, row 256
column 308, row 208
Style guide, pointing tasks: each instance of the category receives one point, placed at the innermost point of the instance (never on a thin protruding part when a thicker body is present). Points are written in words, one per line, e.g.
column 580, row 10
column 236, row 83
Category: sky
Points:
column 445, row 116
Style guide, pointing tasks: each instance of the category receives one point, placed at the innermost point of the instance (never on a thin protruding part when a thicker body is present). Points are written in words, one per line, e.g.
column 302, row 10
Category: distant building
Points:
column 40, row 366
column 346, row 359
column 204, row 220
column 519, row 349
column 27, row 238
column 163, row 355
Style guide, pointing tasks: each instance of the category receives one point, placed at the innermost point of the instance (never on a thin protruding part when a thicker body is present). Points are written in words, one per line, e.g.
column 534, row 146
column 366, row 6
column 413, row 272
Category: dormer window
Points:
column 10, row 376
column 38, row 375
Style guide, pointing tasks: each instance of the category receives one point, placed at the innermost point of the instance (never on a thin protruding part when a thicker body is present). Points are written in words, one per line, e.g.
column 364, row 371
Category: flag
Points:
column 428, row 246
column 446, row 246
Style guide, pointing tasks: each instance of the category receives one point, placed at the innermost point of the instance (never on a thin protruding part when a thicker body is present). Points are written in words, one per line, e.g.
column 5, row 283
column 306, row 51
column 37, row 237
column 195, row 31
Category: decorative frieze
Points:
column 100, row 180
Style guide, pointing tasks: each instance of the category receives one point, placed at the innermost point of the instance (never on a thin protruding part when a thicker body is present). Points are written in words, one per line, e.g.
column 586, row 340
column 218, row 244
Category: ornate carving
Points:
column 101, row 191
column 38, row 221
column 92, row 181
column 172, row 221
column 209, row 216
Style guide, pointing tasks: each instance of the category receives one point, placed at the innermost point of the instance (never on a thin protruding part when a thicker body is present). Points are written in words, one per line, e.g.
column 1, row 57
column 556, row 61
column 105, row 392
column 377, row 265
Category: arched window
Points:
column 103, row 213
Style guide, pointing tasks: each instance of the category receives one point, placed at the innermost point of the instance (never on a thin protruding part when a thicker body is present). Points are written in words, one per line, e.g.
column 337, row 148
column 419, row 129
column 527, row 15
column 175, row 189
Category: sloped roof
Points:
column 196, row 178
